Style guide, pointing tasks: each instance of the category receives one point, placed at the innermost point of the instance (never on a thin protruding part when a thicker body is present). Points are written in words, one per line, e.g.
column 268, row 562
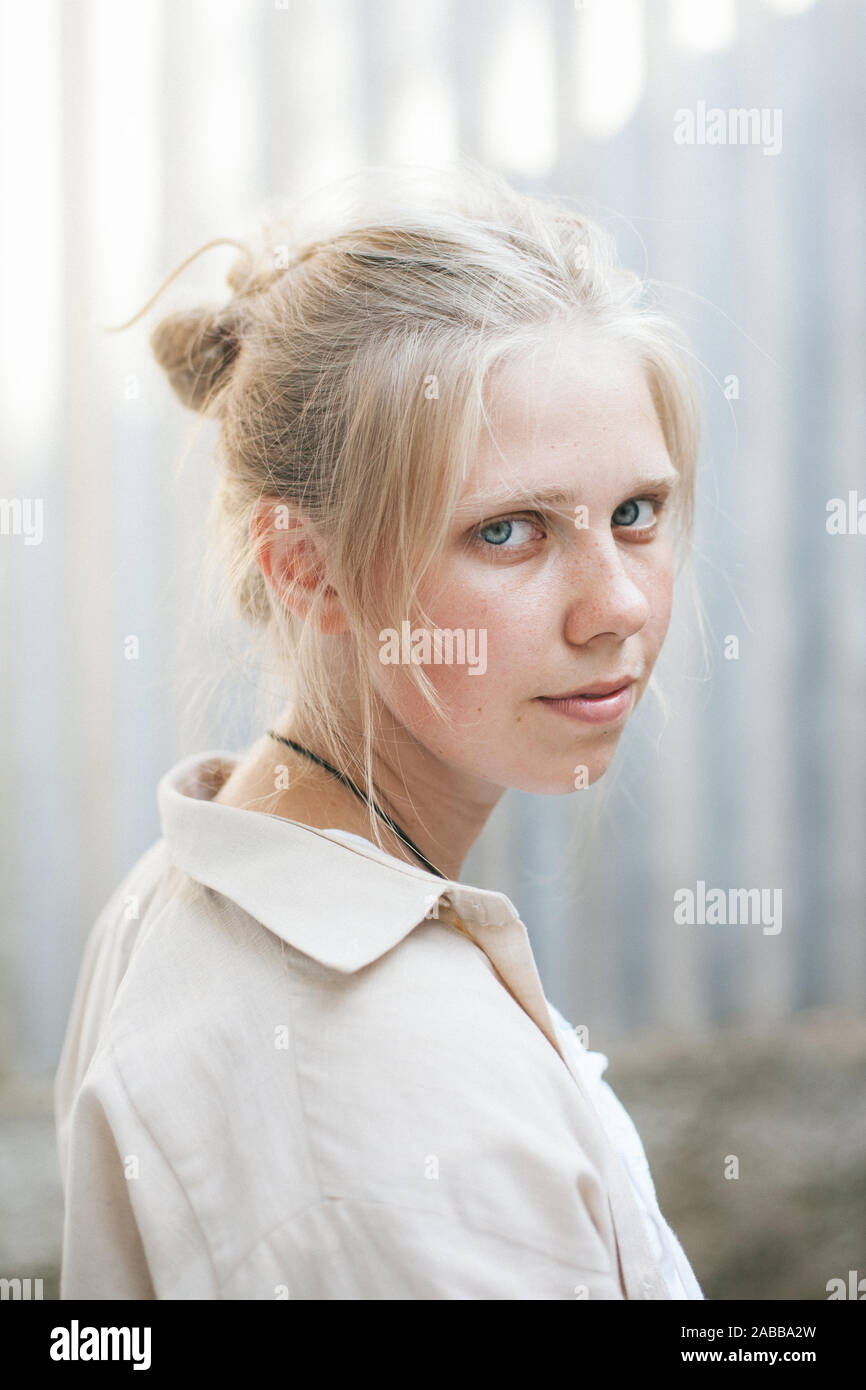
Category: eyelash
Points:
column 643, row 533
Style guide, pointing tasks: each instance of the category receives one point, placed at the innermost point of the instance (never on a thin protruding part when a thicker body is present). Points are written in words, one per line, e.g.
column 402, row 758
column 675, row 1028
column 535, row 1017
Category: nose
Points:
column 604, row 599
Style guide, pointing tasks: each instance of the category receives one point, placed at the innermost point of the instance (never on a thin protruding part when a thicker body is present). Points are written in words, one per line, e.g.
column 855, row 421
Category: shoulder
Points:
column 210, row 993
column 289, row 1106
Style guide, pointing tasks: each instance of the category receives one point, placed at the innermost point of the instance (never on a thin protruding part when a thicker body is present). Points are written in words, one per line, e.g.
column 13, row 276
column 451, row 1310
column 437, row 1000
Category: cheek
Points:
column 490, row 627
column 660, row 594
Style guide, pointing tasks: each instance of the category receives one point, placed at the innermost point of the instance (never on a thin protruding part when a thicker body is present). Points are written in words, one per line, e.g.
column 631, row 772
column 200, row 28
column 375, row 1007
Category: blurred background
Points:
column 130, row 134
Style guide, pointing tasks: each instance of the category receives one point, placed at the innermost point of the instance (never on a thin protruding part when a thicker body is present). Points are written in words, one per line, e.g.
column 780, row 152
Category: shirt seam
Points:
column 169, row 1165
column 299, row 1091
column 387, row 1205
column 304, row 1127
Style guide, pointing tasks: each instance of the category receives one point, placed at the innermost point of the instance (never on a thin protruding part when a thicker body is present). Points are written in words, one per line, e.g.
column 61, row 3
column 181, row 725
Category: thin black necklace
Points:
column 290, row 742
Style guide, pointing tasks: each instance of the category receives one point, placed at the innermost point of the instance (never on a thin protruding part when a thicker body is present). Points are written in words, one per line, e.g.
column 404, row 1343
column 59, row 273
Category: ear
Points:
column 291, row 559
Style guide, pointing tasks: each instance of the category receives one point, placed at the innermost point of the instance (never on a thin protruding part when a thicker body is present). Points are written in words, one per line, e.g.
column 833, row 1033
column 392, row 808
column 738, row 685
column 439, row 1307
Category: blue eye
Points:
column 629, row 512
column 504, row 531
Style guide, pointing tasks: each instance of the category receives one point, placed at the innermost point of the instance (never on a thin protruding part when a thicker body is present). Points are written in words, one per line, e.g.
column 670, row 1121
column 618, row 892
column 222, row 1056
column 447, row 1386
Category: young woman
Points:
column 305, row 1060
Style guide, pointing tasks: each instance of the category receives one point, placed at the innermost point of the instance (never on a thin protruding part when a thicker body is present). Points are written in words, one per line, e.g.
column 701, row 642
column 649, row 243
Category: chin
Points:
column 562, row 780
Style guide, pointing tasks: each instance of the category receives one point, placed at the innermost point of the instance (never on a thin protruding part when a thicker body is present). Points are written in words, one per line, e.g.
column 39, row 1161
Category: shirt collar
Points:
column 343, row 904
column 346, row 905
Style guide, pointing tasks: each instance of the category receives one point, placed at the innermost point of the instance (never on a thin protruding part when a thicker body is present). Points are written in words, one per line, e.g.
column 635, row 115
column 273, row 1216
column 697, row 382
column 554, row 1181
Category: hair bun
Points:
column 196, row 349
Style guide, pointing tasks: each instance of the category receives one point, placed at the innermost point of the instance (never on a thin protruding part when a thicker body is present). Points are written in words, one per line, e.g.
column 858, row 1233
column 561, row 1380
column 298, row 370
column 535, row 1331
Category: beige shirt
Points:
column 288, row 1074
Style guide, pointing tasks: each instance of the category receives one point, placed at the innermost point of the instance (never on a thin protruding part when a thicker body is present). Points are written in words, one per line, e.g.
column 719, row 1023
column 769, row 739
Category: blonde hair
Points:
column 347, row 374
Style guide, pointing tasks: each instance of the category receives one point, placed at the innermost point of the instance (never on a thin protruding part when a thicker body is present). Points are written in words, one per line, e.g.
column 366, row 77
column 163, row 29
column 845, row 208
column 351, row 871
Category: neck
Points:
column 423, row 797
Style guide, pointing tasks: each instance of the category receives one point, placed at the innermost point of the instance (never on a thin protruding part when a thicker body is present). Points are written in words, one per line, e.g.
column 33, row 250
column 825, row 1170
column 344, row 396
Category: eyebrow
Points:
column 554, row 496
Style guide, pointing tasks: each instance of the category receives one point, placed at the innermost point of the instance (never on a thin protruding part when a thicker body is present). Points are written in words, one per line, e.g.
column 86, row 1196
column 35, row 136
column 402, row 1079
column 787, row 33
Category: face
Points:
column 571, row 586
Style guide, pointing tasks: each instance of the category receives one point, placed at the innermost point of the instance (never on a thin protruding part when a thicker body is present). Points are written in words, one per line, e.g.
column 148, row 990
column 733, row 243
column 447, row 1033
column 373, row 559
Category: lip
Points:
column 601, row 703
column 598, row 688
